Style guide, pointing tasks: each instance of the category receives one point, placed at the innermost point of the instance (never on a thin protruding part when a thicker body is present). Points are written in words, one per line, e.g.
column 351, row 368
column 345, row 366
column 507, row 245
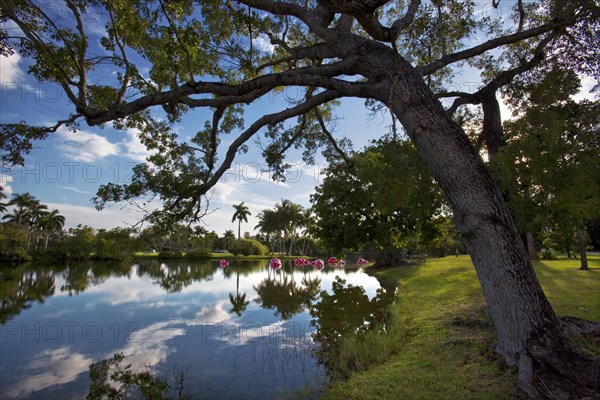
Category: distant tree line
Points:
column 289, row 228
column 29, row 230
column 30, row 227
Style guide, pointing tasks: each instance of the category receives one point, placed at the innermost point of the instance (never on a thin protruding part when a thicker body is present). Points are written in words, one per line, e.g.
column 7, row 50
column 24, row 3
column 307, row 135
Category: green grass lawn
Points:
column 440, row 342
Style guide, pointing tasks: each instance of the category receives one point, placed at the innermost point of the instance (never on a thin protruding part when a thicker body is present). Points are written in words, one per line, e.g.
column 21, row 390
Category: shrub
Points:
column 170, row 254
column 249, row 247
column 17, row 254
column 198, row 254
column 548, row 254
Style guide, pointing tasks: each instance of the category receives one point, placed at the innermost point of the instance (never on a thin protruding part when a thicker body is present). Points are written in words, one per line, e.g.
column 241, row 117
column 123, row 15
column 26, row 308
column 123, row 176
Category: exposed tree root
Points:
column 553, row 367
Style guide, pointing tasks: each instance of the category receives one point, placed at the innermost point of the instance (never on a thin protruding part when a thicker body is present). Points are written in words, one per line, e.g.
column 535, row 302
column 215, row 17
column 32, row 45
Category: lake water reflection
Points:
column 240, row 332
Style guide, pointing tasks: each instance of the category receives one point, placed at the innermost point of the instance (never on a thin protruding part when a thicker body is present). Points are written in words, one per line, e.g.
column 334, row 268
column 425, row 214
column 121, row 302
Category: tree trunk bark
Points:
column 528, row 332
column 515, row 299
column 531, row 246
column 291, row 245
column 492, row 124
column 582, row 249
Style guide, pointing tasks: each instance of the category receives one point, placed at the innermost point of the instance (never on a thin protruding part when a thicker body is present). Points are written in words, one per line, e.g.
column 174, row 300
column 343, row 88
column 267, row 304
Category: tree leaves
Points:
column 387, row 196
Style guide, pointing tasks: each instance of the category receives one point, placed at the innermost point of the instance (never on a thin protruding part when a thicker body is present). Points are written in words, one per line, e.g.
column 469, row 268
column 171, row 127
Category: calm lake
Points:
column 245, row 331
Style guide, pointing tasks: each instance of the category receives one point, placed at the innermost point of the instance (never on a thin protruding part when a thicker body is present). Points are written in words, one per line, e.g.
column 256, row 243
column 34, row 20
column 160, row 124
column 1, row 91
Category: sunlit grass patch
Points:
column 441, row 342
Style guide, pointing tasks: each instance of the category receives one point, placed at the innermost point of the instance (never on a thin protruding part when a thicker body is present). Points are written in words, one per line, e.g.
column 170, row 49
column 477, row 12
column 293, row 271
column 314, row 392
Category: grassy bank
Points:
column 440, row 341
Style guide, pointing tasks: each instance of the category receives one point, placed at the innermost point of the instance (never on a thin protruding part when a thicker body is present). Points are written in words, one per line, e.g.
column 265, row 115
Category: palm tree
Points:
column 50, row 223
column 228, row 236
column 36, row 211
column 295, row 220
column 16, row 216
column 283, row 210
column 200, row 231
column 308, row 222
column 268, row 224
column 241, row 214
column 28, row 211
column 2, row 197
column 23, row 202
column 290, row 214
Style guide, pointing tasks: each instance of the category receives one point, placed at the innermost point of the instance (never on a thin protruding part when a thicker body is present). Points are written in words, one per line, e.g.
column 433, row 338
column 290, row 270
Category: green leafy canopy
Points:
column 157, row 62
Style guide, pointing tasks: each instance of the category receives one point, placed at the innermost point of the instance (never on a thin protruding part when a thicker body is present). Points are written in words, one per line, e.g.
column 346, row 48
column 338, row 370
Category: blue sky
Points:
column 65, row 170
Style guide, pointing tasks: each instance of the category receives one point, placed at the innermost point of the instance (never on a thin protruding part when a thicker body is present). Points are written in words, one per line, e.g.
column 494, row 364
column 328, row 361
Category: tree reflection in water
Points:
column 239, row 302
column 347, row 313
column 112, row 378
column 21, row 287
column 280, row 292
column 80, row 276
column 177, row 274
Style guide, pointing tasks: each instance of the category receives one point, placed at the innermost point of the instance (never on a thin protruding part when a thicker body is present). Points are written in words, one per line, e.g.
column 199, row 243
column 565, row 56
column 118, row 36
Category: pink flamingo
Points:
column 362, row 261
column 275, row 264
column 319, row 264
column 300, row 262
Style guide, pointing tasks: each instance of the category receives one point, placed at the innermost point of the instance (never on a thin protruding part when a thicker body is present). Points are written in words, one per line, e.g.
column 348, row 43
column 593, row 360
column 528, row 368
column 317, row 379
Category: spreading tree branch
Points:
column 364, row 12
column 502, row 79
column 491, row 44
column 315, row 76
column 269, row 119
column 331, row 139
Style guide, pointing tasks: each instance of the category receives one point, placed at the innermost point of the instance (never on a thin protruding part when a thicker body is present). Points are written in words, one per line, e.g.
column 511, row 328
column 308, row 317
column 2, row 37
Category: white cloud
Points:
column 587, row 84
column 96, row 28
column 245, row 183
column 148, row 346
column 5, row 183
column 222, row 191
column 55, row 367
column 263, row 43
column 212, row 314
column 10, row 72
column 74, row 189
column 85, row 146
column 117, row 291
column 107, row 218
column 133, row 147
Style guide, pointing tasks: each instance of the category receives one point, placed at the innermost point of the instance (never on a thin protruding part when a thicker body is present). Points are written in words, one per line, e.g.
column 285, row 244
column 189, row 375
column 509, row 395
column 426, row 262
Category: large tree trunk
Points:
column 582, row 249
column 515, row 299
column 531, row 246
column 528, row 332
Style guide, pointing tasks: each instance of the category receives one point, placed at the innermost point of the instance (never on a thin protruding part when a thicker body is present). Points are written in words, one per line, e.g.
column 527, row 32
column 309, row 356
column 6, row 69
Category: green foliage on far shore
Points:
column 249, row 247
